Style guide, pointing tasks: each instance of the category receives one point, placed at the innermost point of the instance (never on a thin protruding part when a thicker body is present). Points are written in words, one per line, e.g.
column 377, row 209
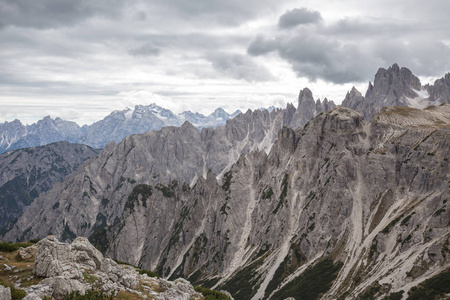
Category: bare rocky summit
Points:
column 397, row 86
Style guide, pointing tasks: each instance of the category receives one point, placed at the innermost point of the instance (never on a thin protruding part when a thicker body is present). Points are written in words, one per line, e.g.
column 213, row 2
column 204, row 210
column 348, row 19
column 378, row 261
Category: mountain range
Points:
column 114, row 127
column 316, row 201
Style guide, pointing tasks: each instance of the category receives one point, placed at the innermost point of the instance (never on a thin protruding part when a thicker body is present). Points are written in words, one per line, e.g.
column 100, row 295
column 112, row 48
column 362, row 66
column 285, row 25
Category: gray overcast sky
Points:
column 80, row 60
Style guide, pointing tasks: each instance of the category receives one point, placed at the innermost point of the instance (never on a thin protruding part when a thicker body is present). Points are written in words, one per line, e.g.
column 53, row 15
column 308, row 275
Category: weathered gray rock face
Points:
column 5, row 293
column 79, row 267
column 27, row 173
column 308, row 108
column 93, row 197
column 27, row 253
column 440, row 90
column 370, row 197
column 397, row 87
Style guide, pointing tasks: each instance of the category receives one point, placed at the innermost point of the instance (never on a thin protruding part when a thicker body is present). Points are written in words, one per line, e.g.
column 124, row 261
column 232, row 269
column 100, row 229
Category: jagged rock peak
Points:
column 309, row 108
column 400, row 79
column 305, row 96
column 439, row 92
column 354, row 91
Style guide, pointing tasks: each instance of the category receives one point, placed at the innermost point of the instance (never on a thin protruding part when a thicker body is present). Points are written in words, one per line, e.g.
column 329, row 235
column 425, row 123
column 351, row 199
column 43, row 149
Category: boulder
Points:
column 65, row 267
column 5, row 293
column 62, row 286
column 180, row 289
column 114, row 271
column 86, row 254
column 55, row 259
column 27, row 253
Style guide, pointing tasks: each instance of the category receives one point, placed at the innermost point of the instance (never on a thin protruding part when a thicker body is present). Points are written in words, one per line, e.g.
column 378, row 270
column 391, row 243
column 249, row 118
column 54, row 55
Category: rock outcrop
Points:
column 5, row 293
column 79, row 267
column 27, row 253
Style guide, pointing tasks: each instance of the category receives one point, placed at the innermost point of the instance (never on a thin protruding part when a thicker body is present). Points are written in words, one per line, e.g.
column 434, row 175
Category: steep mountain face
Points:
column 93, row 197
column 397, row 87
column 14, row 135
column 362, row 204
column 27, row 173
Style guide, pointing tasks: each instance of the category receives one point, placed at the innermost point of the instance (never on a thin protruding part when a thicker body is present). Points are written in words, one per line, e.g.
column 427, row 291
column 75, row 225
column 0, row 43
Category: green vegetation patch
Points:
column 144, row 190
column 406, row 219
column 395, row 296
column 148, row 273
column 291, row 262
column 99, row 237
column 435, row 287
column 388, row 228
column 314, row 282
column 284, row 188
column 438, row 212
column 167, row 191
column 11, row 247
column 67, row 234
column 211, row 294
column 16, row 294
column 267, row 193
column 89, row 278
column 244, row 284
column 371, row 292
column 227, row 181
column 89, row 295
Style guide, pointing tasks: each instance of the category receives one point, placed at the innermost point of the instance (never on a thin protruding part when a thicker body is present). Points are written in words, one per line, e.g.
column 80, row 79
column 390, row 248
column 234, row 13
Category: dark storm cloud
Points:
column 239, row 67
column 351, row 50
column 315, row 57
column 262, row 45
column 299, row 16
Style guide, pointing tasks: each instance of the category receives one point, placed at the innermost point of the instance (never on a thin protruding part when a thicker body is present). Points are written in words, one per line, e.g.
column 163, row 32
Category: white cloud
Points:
column 83, row 59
